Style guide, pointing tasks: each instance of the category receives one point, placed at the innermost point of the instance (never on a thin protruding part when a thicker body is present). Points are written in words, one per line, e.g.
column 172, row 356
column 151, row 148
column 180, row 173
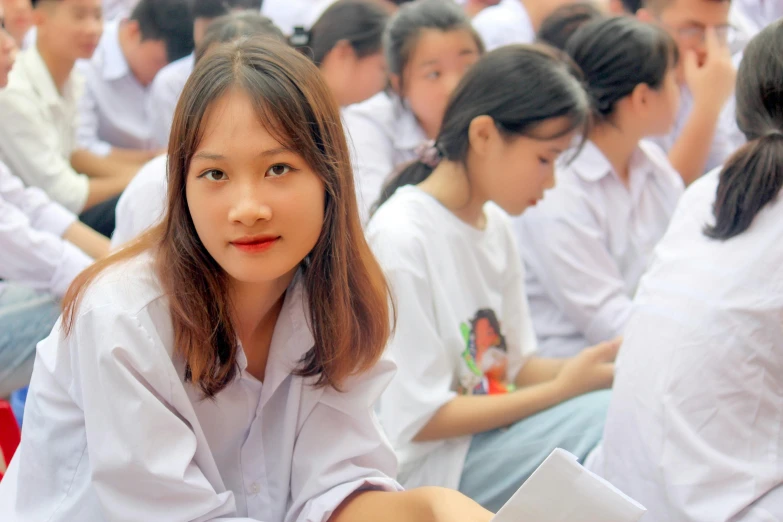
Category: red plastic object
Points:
column 9, row 435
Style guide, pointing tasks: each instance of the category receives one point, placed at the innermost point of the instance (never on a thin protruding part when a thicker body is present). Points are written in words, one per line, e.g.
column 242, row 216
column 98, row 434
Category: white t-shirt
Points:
column 694, row 430
column 463, row 324
column 587, row 244
column 503, row 24
column 142, row 203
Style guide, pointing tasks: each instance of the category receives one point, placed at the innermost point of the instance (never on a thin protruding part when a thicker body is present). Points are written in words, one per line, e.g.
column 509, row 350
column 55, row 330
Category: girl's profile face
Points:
column 663, row 104
column 364, row 78
column 435, row 67
column 257, row 206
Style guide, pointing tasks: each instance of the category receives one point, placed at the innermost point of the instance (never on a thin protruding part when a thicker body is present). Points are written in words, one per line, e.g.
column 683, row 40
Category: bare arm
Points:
column 538, row 370
column 134, row 156
column 102, row 189
column 88, row 240
column 690, row 152
column 416, row 505
column 96, row 166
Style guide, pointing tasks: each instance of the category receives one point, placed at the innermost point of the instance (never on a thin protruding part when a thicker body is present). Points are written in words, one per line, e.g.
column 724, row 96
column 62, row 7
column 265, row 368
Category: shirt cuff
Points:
column 72, row 263
column 100, row 148
column 55, row 219
column 321, row 508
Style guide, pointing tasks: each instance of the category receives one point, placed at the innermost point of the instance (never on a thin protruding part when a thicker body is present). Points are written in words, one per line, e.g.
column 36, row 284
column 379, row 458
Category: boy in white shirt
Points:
column 705, row 133
column 42, row 248
column 39, row 108
column 113, row 119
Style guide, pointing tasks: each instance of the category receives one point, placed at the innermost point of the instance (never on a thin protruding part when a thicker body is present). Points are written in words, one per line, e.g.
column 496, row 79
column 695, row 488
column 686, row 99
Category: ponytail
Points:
column 751, row 179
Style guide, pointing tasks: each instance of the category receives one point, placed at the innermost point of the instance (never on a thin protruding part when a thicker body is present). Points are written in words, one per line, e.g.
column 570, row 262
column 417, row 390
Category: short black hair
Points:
column 167, row 20
column 558, row 27
column 631, row 6
column 216, row 8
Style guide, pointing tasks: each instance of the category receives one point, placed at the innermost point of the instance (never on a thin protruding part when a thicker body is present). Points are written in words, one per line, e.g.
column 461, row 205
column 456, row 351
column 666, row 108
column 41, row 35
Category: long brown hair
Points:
column 347, row 293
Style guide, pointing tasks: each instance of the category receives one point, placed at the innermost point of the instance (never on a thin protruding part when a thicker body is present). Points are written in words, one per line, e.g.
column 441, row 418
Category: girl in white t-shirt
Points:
column 587, row 244
column 472, row 407
column 225, row 365
column 429, row 44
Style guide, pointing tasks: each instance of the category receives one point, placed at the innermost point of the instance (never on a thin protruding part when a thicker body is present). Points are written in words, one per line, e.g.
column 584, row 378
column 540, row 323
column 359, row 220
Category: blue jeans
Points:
column 26, row 317
column 499, row 461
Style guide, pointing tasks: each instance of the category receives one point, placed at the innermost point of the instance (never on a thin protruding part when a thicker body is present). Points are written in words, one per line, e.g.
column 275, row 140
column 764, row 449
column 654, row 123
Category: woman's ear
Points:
column 481, row 131
column 640, row 97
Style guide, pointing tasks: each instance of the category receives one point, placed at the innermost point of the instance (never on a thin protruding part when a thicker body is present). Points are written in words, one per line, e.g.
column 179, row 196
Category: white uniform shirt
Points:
column 38, row 130
column 383, row 136
column 587, row 244
column 503, row 24
column 142, row 203
column 695, row 427
column 113, row 110
column 112, row 433
column 32, row 251
column 287, row 14
column 760, row 13
column 164, row 95
column 454, row 287
column 727, row 139
column 116, row 9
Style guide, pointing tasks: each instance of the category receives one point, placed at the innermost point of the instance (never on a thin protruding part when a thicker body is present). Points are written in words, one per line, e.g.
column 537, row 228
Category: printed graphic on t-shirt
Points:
column 485, row 358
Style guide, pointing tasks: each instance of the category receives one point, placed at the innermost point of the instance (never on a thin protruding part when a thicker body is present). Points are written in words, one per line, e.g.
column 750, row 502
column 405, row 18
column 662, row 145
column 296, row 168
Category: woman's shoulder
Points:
column 379, row 109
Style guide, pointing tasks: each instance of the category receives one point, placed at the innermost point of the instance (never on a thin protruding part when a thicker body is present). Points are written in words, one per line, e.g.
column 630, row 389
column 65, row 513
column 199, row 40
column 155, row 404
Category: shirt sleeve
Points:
column 142, row 204
column 564, row 246
column 143, row 452
column 341, row 448
column 87, row 131
column 372, row 156
column 161, row 105
column 30, row 145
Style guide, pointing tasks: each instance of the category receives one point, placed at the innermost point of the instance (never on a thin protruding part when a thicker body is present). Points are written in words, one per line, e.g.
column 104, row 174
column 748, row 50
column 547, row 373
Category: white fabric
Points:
column 442, row 272
column 164, row 95
column 503, row 24
column 760, row 13
column 113, row 109
column 30, row 38
column 587, row 244
column 694, row 430
column 143, row 202
column 287, row 14
column 32, row 251
column 383, row 136
column 38, row 130
column 116, row 9
column 113, row 433
column 727, row 139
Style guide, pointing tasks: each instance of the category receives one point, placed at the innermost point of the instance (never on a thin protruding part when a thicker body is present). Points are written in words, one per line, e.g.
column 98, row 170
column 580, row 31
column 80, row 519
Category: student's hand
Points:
column 591, row 370
column 712, row 83
column 449, row 505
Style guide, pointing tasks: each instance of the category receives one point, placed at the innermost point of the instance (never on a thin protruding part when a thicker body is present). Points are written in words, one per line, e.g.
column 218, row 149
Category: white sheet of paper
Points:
column 561, row 490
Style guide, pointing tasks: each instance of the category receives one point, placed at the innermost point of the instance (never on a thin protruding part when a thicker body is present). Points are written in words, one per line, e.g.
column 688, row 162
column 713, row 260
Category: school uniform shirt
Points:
column 142, row 203
column 113, row 432
column 383, row 136
column 118, row 9
column 164, row 94
column 38, row 130
column 694, row 430
column 113, row 110
column 287, row 14
column 505, row 23
column 727, row 139
column 32, row 251
column 588, row 242
column 760, row 13
column 463, row 325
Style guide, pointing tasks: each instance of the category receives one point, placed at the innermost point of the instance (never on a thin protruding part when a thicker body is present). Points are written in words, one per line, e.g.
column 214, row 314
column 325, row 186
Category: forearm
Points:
column 383, row 506
column 102, row 189
column 135, row 156
column 96, row 166
column 88, row 240
column 471, row 414
column 538, row 370
column 690, row 152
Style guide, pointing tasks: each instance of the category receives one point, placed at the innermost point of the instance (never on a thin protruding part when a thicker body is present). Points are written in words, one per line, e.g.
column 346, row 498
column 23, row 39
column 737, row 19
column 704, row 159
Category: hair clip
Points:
column 300, row 38
column 429, row 154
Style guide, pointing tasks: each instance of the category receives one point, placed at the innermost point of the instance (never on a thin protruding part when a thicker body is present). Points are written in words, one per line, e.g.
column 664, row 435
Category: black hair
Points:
column 616, row 55
column 631, row 6
column 216, row 8
column 358, row 22
column 405, row 27
column 167, row 20
column 558, row 27
column 235, row 26
column 519, row 87
column 753, row 176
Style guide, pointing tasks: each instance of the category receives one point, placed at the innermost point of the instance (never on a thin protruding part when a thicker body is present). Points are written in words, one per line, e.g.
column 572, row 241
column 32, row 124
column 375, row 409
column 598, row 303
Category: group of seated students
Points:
column 351, row 260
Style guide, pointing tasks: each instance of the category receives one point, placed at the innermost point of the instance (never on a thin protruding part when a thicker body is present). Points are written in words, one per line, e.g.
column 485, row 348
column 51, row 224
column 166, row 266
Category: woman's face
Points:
column 363, row 78
column 434, row 69
column 258, row 207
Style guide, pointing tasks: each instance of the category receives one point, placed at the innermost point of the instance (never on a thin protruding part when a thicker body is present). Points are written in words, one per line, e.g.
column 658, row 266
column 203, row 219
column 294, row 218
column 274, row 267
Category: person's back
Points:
column 693, row 431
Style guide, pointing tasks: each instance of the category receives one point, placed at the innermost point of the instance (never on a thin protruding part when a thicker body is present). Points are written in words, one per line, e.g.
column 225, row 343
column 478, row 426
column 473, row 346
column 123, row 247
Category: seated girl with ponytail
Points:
column 586, row 245
column 694, row 428
column 346, row 45
column 472, row 407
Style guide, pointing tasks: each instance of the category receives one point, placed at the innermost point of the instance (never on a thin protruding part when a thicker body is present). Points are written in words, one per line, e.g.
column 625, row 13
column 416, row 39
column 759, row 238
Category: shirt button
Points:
column 254, row 488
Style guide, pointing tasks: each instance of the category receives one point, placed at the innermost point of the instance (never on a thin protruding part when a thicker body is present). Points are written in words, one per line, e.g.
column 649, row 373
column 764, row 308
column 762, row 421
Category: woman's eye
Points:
column 434, row 75
column 276, row 171
column 214, row 175
column 543, row 161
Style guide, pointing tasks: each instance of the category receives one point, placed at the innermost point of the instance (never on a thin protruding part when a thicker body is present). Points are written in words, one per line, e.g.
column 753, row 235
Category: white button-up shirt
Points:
column 164, row 94
column 760, row 13
column 695, row 427
column 32, row 251
column 38, row 130
column 113, row 110
column 142, row 203
column 383, row 135
column 116, row 9
column 113, row 432
column 587, row 244
column 505, row 23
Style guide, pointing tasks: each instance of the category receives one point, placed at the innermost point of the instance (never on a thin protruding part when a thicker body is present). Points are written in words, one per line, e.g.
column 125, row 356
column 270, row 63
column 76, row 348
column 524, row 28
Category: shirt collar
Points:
column 41, row 79
column 110, row 58
column 591, row 165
